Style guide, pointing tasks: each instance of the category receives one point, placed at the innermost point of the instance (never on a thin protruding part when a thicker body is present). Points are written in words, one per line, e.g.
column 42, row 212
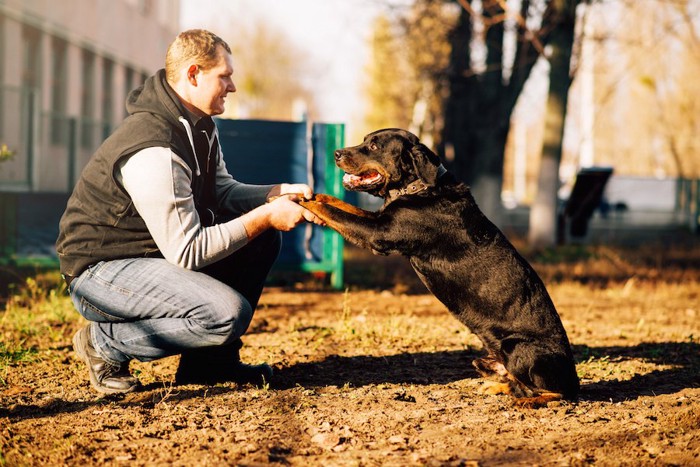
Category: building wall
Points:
column 65, row 71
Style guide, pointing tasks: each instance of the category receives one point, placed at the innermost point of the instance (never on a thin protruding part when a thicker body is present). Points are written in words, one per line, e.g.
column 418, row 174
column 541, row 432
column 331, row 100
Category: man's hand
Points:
column 281, row 212
column 295, row 192
column 285, row 213
column 301, row 189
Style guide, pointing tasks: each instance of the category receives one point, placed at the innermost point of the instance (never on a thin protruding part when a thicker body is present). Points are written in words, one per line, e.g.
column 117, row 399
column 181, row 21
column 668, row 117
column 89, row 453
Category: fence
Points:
column 688, row 203
column 35, row 184
column 49, row 148
column 266, row 152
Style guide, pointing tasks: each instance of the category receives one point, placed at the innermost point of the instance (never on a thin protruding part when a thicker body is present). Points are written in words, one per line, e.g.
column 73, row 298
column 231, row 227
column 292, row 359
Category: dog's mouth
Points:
column 364, row 181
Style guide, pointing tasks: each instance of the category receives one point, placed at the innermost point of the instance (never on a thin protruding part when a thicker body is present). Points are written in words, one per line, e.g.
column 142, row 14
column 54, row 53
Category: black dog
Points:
column 463, row 259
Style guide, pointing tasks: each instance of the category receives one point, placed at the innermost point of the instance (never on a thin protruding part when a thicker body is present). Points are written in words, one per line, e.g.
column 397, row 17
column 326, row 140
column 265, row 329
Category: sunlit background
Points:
column 470, row 77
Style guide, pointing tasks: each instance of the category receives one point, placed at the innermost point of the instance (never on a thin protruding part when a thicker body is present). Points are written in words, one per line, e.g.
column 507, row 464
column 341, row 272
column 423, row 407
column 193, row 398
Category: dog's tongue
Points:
column 362, row 179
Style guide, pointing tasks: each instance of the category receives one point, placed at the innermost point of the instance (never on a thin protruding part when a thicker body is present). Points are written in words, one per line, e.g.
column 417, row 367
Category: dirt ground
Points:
column 380, row 374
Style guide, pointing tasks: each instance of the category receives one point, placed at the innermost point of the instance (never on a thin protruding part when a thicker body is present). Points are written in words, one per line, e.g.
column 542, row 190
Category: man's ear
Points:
column 192, row 74
column 425, row 164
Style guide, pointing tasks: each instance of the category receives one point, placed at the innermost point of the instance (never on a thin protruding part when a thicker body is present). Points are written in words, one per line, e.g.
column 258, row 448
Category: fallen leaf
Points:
column 326, row 440
column 397, row 439
column 14, row 390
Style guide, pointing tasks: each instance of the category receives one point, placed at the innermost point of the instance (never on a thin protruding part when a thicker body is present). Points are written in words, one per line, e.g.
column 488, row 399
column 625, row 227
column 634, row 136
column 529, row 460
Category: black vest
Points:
column 100, row 221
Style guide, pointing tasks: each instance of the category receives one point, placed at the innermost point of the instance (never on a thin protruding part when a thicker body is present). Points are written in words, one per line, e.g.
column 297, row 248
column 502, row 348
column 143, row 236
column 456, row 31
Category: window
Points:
column 107, row 96
column 59, row 91
column 31, row 73
column 145, row 7
column 87, row 100
column 2, row 75
column 128, row 84
column 31, row 43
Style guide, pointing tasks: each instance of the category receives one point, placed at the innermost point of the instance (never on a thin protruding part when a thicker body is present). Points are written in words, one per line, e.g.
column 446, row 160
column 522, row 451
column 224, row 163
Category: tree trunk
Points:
column 475, row 126
column 543, row 214
column 479, row 106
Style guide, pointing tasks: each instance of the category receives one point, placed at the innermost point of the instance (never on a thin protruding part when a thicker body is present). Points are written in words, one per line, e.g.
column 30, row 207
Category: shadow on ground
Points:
column 420, row 368
column 682, row 357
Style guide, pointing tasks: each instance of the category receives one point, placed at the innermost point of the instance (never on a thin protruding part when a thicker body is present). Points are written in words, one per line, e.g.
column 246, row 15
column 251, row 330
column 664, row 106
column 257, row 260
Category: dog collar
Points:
column 413, row 187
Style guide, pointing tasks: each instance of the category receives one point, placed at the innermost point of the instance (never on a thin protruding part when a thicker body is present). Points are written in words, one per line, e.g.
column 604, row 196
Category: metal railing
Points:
column 50, row 148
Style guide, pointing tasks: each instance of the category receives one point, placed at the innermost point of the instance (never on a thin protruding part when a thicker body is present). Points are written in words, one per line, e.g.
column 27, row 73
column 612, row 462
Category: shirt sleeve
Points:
column 159, row 184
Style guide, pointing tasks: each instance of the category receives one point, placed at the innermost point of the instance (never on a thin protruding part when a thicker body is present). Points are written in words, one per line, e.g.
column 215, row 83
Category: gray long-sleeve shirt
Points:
column 158, row 182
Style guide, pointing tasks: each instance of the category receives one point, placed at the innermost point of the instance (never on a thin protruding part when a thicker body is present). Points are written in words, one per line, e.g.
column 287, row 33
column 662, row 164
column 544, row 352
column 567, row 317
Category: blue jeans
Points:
column 147, row 308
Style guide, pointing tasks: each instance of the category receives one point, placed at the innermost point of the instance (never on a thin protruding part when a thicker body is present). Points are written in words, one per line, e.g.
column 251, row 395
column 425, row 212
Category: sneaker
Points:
column 106, row 377
column 212, row 365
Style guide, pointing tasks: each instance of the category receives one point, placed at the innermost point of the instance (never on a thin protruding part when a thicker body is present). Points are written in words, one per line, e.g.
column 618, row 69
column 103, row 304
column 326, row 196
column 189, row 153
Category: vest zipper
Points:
column 186, row 124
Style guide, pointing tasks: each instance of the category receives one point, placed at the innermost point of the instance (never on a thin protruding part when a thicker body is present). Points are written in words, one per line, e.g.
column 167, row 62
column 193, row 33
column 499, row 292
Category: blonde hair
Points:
column 194, row 45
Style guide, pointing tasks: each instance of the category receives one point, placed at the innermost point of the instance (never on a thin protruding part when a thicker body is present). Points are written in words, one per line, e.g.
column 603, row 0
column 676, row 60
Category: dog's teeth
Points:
column 351, row 179
column 367, row 178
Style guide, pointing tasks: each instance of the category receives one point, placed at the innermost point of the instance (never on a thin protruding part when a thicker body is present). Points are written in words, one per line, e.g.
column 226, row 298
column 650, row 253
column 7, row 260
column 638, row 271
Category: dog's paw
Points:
column 494, row 388
column 323, row 198
column 538, row 401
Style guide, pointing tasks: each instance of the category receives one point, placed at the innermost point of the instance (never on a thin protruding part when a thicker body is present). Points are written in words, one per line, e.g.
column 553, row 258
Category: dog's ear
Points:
column 425, row 164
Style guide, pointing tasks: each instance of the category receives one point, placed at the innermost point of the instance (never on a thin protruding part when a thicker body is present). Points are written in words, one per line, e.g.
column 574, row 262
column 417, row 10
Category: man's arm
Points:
column 158, row 182
column 283, row 213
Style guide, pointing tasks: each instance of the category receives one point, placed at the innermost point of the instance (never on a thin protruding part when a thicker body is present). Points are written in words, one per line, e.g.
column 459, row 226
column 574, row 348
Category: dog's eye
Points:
column 373, row 146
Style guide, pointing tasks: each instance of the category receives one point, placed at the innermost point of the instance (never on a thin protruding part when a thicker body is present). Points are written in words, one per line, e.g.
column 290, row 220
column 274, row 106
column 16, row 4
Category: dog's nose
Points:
column 338, row 155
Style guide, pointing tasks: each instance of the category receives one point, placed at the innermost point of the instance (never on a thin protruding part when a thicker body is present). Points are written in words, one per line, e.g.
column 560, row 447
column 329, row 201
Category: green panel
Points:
column 334, row 183
column 259, row 151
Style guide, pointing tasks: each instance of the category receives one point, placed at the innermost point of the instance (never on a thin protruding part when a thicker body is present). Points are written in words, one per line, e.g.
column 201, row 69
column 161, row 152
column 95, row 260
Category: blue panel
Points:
column 264, row 152
column 37, row 223
column 268, row 152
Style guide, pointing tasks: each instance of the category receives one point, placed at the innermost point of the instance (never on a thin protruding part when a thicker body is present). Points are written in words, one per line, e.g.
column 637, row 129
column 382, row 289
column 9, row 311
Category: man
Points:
column 163, row 251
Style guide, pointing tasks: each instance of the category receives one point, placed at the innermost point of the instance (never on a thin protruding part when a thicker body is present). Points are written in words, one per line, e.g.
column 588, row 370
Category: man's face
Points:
column 212, row 85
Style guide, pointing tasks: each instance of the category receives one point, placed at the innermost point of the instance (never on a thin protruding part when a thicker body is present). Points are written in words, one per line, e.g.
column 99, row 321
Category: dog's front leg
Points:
column 354, row 224
column 337, row 203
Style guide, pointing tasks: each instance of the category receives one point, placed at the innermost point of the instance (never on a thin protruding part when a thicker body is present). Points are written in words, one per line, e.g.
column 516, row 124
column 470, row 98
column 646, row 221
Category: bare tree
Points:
column 271, row 78
column 389, row 83
column 645, row 100
column 407, row 85
column 494, row 45
column 485, row 85
column 676, row 89
column 452, row 73
column 543, row 213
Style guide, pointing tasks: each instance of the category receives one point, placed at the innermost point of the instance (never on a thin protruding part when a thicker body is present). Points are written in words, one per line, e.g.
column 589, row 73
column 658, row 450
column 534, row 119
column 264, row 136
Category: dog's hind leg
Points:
column 495, row 388
column 493, row 370
column 539, row 400
column 517, row 391
column 490, row 367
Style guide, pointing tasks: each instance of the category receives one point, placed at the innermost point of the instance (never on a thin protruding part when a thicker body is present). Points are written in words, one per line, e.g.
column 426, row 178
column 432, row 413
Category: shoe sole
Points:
column 77, row 348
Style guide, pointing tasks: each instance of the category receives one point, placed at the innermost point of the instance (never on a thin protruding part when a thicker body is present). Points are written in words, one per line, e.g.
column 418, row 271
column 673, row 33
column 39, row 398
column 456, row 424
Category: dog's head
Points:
column 389, row 159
